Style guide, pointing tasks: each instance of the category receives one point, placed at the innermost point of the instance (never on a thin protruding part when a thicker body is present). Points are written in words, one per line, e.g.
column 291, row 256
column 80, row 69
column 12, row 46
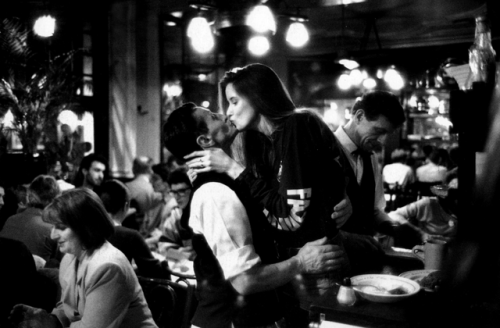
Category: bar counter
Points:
column 420, row 310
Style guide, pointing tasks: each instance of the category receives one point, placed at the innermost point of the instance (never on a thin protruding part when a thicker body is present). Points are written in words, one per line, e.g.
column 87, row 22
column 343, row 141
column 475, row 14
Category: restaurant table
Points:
column 420, row 310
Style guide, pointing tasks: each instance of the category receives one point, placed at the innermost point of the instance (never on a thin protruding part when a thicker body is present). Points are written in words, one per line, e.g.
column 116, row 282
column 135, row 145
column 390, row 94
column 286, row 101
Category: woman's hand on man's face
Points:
column 214, row 159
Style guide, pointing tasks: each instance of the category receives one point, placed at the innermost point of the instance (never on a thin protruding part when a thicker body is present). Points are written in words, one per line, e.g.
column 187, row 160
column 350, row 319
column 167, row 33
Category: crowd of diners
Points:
column 271, row 205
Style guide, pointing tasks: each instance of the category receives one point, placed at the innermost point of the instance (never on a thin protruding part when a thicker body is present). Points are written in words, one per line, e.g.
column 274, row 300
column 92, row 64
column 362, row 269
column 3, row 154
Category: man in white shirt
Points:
column 231, row 266
column 432, row 172
column 398, row 173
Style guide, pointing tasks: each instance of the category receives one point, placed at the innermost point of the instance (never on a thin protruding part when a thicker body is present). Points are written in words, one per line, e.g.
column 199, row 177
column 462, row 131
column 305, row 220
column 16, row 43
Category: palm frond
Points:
column 35, row 92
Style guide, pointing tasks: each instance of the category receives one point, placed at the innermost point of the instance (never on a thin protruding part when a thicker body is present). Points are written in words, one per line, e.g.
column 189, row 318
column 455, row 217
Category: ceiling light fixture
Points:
column 200, row 33
column 199, row 30
column 394, row 79
column 45, row 26
column 348, row 63
column 261, row 19
column 297, row 34
column 344, row 59
column 258, row 45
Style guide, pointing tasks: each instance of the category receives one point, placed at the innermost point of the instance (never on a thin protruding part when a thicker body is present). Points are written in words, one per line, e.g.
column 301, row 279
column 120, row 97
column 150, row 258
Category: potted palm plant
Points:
column 34, row 88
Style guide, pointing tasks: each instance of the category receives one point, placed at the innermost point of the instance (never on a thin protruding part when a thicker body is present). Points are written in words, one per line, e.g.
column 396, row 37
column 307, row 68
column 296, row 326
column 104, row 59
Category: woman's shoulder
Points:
column 303, row 119
column 303, row 115
column 107, row 255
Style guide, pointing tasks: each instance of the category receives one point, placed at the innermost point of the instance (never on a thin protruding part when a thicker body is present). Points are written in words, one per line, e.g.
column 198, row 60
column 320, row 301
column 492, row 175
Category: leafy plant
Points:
column 34, row 89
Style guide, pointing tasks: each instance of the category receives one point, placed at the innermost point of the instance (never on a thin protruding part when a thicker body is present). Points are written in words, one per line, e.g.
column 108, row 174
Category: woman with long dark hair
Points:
column 289, row 162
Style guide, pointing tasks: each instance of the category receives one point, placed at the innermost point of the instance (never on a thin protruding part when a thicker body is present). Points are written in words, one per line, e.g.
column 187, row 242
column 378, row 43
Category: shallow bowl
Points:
column 386, row 282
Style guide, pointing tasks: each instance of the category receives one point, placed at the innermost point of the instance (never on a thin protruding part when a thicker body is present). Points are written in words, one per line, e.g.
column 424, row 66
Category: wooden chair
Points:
column 172, row 302
column 161, row 299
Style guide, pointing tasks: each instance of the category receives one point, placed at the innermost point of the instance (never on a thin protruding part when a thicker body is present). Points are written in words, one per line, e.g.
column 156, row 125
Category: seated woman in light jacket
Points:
column 98, row 284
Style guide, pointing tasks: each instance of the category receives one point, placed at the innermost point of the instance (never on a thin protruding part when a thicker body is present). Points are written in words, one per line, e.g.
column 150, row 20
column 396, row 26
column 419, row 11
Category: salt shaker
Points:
column 346, row 295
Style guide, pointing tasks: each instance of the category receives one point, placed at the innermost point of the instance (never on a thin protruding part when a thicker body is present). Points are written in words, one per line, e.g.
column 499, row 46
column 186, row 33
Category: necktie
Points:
column 362, row 159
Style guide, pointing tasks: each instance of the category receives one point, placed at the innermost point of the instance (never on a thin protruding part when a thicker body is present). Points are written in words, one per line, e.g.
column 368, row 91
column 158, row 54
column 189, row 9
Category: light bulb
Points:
column 45, row 26
column 297, row 34
column 258, row 45
column 393, row 79
column 369, row 83
column 356, row 76
column 261, row 19
column 344, row 82
column 68, row 117
column 349, row 63
column 197, row 25
column 201, row 36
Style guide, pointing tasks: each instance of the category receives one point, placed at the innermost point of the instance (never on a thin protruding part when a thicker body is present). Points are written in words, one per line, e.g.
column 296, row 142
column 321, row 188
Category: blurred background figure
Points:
column 68, row 146
column 55, row 170
column 433, row 171
column 28, row 226
column 432, row 217
column 398, row 173
column 143, row 197
column 176, row 231
column 92, row 172
column 420, row 154
column 116, row 199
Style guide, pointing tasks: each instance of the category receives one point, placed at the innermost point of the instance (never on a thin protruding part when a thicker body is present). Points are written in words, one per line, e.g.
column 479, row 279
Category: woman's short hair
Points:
column 42, row 190
column 82, row 211
column 262, row 88
column 114, row 195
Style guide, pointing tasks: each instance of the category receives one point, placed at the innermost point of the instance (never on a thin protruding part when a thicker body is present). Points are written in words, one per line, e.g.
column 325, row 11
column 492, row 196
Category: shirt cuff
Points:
column 58, row 312
column 245, row 177
column 238, row 261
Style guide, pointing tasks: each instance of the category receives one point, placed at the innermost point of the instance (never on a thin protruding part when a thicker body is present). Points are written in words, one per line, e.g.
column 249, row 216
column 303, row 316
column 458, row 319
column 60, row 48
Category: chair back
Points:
column 173, row 309
column 161, row 299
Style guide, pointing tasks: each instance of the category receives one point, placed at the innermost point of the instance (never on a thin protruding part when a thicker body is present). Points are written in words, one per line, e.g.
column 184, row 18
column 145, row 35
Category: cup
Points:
column 432, row 253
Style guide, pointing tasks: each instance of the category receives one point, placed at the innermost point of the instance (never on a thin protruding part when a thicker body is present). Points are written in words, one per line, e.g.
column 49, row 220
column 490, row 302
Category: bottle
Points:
column 482, row 55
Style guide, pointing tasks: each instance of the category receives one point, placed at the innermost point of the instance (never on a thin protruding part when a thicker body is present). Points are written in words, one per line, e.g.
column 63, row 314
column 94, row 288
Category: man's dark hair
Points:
column 376, row 103
column 86, row 163
column 181, row 130
column 42, row 190
column 427, row 150
column 114, row 195
column 161, row 169
column 435, row 157
column 178, row 176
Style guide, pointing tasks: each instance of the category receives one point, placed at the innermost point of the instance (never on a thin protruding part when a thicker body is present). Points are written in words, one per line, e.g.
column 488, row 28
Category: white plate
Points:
column 386, row 282
column 417, row 276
